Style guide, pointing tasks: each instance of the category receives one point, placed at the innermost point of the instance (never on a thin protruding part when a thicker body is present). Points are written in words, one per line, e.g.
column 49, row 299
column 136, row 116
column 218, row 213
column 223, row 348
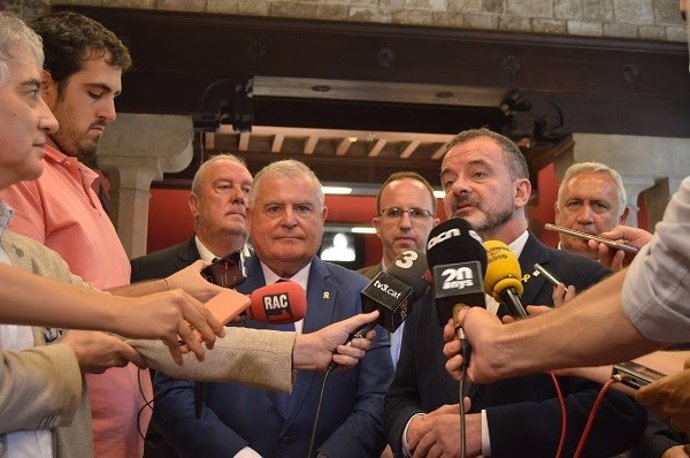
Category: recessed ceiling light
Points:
column 363, row 230
column 336, row 190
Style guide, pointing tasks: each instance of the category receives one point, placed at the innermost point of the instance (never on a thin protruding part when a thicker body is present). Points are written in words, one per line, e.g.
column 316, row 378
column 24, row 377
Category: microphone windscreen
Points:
column 410, row 267
column 502, row 271
column 454, row 241
column 281, row 302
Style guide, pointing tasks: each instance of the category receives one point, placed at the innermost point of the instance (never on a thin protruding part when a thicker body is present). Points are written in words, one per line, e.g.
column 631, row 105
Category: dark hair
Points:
column 400, row 176
column 515, row 160
column 69, row 39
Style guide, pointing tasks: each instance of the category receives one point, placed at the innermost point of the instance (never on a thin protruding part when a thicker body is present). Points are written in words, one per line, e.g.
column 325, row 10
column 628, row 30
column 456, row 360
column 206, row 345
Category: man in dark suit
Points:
column 218, row 202
column 485, row 178
column 286, row 216
column 405, row 214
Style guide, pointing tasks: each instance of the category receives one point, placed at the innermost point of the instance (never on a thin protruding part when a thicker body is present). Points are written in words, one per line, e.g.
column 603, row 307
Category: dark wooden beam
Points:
column 601, row 85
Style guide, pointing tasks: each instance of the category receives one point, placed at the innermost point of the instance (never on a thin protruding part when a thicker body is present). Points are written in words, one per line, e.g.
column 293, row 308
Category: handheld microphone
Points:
column 393, row 293
column 457, row 259
column 503, row 278
column 282, row 302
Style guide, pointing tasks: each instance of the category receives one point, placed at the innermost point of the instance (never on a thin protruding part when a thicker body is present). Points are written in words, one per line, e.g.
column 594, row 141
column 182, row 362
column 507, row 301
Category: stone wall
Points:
column 637, row 19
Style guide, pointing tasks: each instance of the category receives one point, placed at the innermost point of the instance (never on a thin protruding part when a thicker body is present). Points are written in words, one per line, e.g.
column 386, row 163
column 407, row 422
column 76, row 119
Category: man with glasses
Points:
column 405, row 214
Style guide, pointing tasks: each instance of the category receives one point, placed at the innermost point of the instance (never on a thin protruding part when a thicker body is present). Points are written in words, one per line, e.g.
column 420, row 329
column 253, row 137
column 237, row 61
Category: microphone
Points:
column 503, row 278
column 393, row 293
column 457, row 259
column 278, row 303
column 282, row 302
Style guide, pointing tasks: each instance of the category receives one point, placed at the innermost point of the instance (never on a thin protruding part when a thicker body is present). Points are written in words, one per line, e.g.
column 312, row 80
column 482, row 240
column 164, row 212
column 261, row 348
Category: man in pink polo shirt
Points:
column 82, row 76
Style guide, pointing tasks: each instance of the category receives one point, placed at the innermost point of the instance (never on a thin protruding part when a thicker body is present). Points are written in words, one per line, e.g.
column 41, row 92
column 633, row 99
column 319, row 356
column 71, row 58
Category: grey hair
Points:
column 515, row 160
column 594, row 167
column 15, row 37
column 285, row 168
column 196, row 181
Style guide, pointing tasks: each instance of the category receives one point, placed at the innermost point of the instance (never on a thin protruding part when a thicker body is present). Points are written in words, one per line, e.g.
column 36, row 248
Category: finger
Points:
column 467, row 403
column 423, row 448
column 452, row 348
column 203, row 321
column 129, row 354
column 507, row 319
column 453, row 366
column 357, row 344
column 648, row 395
column 351, row 351
column 175, row 349
column 360, row 320
column 617, row 261
column 344, row 361
column 371, row 335
column 191, row 340
column 449, row 331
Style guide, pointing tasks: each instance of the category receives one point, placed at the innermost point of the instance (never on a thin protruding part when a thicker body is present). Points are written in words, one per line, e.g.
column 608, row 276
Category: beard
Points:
column 71, row 140
column 490, row 221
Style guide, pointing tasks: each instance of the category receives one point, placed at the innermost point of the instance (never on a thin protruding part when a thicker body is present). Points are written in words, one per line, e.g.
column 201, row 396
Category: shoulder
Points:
column 370, row 271
column 184, row 251
column 34, row 257
column 576, row 268
column 344, row 276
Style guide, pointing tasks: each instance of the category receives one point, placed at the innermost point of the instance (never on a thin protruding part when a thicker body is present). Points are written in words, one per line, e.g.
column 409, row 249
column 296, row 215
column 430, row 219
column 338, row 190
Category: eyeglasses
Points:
column 414, row 213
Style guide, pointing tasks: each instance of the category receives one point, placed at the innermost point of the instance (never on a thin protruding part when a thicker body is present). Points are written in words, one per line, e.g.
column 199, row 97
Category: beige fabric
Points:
column 52, row 367
column 260, row 358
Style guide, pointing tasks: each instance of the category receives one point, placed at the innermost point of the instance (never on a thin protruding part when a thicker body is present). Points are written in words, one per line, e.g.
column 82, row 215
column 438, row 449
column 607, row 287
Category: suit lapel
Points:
column 533, row 252
column 187, row 255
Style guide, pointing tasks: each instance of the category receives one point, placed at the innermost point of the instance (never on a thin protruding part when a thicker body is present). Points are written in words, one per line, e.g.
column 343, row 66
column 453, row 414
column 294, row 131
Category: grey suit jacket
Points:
column 42, row 388
column 370, row 271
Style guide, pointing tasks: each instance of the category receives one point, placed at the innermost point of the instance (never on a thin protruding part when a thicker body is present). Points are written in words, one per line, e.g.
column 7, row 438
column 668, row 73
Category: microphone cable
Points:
column 318, row 413
column 465, row 352
column 564, row 416
column 592, row 416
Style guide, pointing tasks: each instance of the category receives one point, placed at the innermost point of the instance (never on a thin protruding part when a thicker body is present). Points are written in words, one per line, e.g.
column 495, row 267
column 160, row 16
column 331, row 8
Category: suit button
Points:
column 282, row 440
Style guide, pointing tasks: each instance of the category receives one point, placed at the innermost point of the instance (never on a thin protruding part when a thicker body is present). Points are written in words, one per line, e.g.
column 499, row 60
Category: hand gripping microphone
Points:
column 503, row 278
column 457, row 259
column 282, row 302
column 393, row 293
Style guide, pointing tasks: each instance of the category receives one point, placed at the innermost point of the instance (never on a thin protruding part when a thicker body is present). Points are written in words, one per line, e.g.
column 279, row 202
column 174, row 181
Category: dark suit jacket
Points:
column 234, row 416
column 370, row 271
column 164, row 262
column 523, row 412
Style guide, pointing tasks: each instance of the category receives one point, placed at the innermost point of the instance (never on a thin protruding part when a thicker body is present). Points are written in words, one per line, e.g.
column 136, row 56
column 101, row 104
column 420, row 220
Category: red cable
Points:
column 592, row 415
column 561, row 401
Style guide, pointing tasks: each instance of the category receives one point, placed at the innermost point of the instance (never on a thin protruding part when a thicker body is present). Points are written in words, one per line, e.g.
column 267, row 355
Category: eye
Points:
column 303, row 209
column 274, row 209
column 479, row 174
column 447, row 184
column 95, row 95
column 246, row 189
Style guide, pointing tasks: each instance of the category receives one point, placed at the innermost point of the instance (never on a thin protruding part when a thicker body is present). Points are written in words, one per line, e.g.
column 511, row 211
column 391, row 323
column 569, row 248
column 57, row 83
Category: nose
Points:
column 405, row 221
column 47, row 122
column 238, row 195
column 106, row 109
column 584, row 216
column 289, row 219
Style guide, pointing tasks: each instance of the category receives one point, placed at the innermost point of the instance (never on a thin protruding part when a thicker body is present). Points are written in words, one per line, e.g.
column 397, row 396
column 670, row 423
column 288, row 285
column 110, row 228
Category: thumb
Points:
column 467, row 403
column 360, row 320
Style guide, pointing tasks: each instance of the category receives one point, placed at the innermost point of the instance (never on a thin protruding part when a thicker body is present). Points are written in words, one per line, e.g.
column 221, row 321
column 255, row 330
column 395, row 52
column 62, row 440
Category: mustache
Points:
column 466, row 198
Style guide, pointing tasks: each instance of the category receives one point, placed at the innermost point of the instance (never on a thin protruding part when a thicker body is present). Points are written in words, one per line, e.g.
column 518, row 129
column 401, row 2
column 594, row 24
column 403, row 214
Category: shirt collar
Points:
column 519, row 243
column 301, row 277
column 71, row 163
column 6, row 215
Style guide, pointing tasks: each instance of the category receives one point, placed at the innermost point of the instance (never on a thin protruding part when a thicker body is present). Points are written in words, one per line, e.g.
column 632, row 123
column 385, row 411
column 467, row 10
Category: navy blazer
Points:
column 235, row 416
column 523, row 412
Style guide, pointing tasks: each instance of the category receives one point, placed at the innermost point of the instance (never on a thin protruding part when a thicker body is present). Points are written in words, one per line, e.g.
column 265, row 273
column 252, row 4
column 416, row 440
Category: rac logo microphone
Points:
column 277, row 306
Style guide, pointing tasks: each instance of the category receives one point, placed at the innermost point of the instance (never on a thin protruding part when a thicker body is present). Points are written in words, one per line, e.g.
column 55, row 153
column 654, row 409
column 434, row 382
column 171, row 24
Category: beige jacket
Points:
column 43, row 387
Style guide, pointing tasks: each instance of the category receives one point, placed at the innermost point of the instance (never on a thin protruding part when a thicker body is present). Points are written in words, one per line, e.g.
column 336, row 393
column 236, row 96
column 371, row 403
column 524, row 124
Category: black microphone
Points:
column 457, row 260
column 393, row 293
